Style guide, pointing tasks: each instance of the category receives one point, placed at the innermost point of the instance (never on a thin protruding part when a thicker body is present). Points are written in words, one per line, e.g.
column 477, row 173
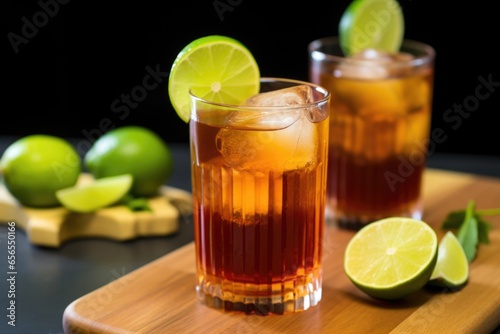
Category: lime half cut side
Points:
column 452, row 267
column 97, row 194
column 392, row 257
column 371, row 24
column 215, row 68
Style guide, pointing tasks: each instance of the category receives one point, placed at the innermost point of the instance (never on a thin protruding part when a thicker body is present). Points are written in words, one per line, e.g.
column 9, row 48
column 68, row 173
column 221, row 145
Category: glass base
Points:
column 262, row 299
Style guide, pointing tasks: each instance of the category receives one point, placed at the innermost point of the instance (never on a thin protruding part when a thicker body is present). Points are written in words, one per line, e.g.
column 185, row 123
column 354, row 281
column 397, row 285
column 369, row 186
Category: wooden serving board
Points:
column 51, row 227
column 160, row 296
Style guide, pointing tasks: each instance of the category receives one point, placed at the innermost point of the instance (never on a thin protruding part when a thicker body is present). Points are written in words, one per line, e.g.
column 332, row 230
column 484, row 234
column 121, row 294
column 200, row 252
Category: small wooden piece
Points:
column 51, row 227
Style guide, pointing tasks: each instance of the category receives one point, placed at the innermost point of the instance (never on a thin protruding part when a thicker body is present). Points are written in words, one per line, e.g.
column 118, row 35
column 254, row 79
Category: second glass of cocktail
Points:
column 379, row 129
column 259, row 190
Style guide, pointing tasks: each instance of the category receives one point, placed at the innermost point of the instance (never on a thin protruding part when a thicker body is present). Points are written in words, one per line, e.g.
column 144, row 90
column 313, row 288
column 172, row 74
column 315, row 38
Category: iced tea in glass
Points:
column 259, row 190
column 379, row 129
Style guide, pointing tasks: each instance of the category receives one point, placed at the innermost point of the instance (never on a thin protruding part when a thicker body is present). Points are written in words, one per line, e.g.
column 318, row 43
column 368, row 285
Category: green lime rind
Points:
column 377, row 24
column 401, row 290
column 442, row 283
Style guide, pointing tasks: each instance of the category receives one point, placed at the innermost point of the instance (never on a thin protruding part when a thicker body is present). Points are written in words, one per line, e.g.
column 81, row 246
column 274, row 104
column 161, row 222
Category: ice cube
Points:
column 365, row 97
column 367, row 64
column 272, row 118
column 290, row 96
column 402, row 64
column 375, row 64
column 373, row 54
column 417, row 93
column 273, row 139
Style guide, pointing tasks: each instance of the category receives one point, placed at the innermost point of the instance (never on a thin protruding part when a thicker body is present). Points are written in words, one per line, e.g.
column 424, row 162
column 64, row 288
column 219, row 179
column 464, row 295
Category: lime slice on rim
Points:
column 376, row 24
column 452, row 267
column 216, row 68
column 97, row 194
column 392, row 257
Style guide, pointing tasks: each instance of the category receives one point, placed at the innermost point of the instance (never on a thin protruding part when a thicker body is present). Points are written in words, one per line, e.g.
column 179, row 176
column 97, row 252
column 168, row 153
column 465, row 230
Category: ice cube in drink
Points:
column 283, row 136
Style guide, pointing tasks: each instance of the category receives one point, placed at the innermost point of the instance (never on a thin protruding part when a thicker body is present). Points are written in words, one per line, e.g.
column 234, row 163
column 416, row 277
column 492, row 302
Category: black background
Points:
column 64, row 79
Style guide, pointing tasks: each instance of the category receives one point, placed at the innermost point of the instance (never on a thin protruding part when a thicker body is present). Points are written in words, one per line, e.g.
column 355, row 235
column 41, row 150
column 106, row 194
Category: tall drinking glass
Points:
column 379, row 129
column 259, row 190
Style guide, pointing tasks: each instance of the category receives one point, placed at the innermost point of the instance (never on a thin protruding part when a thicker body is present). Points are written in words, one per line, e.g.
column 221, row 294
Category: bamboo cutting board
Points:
column 52, row 227
column 160, row 296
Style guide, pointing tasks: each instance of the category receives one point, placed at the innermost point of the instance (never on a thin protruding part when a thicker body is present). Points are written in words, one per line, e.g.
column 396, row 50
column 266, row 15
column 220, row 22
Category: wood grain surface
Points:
column 160, row 296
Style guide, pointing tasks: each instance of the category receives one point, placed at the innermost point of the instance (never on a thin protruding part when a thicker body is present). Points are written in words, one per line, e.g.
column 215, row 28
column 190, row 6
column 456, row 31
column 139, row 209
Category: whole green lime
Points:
column 132, row 150
column 34, row 167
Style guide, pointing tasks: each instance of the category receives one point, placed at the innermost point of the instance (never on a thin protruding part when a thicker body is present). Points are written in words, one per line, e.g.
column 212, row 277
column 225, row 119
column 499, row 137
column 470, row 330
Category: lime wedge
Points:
column 452, row 267
column 95, row 195
column 392, row 257
column 376, row 24
column 216, row 68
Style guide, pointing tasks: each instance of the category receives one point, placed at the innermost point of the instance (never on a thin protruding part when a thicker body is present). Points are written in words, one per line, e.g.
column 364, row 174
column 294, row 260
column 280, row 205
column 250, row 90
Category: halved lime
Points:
column 216, row 68
column 452, row 267
column 97, row 194
column 392, row 257
column 376, row 24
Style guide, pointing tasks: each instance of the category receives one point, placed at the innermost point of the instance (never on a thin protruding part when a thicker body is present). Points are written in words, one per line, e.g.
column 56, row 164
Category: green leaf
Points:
column 489, row 212
column 454, row 219
column 483, row 229
column 468, row 237
column 136, row 203
column 472, row 228
column 468, row 234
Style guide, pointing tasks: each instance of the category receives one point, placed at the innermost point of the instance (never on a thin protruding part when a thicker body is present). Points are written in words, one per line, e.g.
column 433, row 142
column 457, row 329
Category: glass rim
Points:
column 323, row 91
column 429, row 53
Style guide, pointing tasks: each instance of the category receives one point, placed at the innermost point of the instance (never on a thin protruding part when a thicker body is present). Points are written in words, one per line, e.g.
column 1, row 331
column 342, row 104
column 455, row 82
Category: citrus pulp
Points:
column 215, row 68
column 452, row 267
column 95, row 195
